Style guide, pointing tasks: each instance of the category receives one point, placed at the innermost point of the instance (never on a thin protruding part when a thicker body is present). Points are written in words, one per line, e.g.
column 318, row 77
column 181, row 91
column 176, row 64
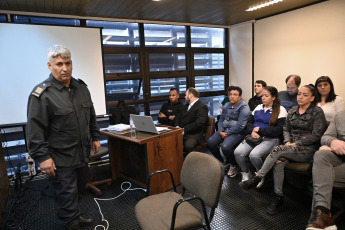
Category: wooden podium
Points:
column 136, row 158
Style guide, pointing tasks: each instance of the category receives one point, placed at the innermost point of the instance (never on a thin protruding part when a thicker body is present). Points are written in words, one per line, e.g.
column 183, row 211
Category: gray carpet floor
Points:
column 32, row 207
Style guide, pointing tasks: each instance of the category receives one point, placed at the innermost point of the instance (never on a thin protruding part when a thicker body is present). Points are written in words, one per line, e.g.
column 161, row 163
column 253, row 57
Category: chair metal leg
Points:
column 94, row 189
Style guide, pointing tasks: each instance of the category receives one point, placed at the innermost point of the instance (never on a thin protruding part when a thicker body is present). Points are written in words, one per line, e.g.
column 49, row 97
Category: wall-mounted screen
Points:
column 23, row 61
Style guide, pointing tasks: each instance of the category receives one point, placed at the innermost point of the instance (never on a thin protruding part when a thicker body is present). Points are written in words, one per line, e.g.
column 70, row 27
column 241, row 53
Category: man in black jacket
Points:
column 193, row 120
column 61, row 130
column 256, row 99
column 169, row 110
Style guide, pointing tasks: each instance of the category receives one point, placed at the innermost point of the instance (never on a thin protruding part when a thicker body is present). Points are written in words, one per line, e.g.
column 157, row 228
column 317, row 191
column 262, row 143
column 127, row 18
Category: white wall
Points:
column 24, row 59
column 309, row 42
column 240, row 67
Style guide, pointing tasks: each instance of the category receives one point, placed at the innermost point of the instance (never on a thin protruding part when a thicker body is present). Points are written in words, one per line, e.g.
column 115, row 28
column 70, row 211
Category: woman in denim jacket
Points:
column 231, row 129
column 304, row 126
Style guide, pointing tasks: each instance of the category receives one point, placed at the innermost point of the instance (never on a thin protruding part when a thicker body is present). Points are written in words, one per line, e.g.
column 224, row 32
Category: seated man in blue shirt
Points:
column 231, row 129
column 288, row 98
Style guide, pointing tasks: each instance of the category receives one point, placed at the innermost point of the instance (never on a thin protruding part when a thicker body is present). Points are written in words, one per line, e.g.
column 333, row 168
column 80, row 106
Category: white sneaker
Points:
column 245, row 176
column 261, row 183
column 333, row 227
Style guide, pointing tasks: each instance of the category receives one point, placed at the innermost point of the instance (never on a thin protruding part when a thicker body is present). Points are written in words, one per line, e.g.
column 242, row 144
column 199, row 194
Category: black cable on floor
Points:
column 18, row 209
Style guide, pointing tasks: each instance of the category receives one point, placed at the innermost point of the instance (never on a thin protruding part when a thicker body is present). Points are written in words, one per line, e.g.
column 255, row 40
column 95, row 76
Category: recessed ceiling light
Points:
column 263, row 5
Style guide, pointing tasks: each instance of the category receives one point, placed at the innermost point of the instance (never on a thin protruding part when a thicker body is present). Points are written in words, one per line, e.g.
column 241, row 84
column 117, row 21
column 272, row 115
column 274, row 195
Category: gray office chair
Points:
column 202, row 176
column 208, row 133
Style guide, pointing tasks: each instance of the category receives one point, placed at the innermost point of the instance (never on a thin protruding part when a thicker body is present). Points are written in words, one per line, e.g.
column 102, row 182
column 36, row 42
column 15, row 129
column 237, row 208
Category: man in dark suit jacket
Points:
column 193, row 120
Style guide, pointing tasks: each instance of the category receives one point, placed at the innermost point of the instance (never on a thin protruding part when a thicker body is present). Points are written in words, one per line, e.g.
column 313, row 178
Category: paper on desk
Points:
column 118, row 127
column 159, row 129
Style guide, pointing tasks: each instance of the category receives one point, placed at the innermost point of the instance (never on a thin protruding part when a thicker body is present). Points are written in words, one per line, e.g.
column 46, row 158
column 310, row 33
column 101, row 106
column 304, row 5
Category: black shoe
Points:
column 74, row 225
column 276, row 206
column 247, row 184
column 85, row 220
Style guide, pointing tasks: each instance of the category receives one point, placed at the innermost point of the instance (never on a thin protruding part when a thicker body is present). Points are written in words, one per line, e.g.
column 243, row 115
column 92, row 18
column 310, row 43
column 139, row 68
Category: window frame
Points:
column 190, row 73
column 42, row 23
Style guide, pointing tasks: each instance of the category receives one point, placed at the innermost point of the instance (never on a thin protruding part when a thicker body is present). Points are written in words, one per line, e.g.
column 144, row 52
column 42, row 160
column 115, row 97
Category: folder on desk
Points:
column 145, row 124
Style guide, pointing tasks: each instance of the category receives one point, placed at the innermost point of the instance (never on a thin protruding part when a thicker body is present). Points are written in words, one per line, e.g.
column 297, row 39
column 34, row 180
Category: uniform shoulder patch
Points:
column 39, row 89
column 81, row 81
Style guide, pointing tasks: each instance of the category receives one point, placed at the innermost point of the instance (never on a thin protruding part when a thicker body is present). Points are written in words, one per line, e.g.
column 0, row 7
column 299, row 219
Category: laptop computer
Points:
column 145, row 124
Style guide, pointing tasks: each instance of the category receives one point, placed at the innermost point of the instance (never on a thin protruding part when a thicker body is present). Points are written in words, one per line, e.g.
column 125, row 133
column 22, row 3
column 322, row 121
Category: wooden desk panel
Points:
column 150, row 152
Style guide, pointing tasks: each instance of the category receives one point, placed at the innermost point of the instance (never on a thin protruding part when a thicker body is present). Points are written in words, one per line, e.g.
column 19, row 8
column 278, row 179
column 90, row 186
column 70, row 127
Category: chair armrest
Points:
column 148, row 192
column 188, row 199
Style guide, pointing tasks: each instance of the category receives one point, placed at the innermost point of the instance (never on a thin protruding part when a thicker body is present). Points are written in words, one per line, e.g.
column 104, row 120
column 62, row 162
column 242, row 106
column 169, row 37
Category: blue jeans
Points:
column 228, row 146
column 255, row 153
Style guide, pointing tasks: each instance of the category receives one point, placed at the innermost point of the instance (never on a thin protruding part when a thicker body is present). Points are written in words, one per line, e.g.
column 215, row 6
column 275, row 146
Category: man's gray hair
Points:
column 58, row 51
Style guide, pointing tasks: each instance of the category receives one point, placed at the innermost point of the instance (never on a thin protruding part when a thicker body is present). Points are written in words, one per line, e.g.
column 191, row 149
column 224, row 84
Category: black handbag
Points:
column 252, row 141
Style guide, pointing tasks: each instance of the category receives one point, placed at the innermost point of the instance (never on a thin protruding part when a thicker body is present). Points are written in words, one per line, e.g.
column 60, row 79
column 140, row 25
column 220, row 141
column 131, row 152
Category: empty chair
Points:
column 202, row 176
column 208, row 133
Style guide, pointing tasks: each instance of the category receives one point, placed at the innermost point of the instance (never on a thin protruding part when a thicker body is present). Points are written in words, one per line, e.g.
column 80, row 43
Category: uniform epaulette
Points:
column 81, row 81
column 39, row 89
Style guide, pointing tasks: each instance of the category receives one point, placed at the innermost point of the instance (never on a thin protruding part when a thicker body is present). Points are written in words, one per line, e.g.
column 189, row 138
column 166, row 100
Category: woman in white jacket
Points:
column 326, row 98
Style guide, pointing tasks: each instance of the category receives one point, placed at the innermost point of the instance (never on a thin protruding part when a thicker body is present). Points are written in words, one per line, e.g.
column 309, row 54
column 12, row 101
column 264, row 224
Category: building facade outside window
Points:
column 3, row 18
